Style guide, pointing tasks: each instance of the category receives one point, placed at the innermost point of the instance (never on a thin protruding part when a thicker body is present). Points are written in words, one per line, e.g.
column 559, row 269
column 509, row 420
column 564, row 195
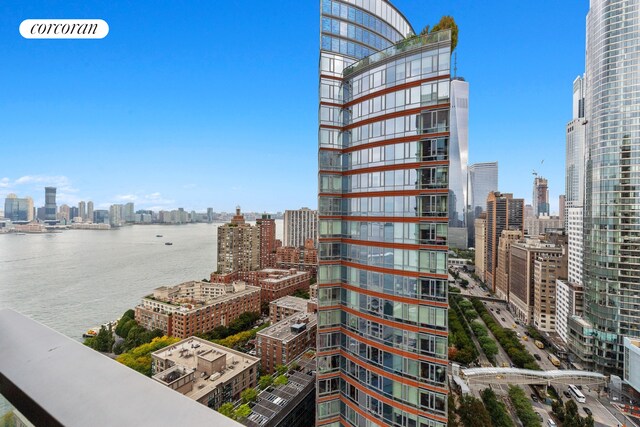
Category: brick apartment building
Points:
column 276, row 283
column 281, row 343
column 301, row 258
column 194, row 307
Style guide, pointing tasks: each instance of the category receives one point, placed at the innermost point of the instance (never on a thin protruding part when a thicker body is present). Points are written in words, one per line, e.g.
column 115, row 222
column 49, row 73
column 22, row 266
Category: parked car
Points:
column 502, row 318
column 567, row 394
column 537, row 356
column 587, row 410
column 534, row 397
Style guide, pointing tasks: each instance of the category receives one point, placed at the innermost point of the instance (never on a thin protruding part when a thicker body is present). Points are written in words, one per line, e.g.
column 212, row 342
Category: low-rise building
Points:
column 276, row 283
column 194, row 307
column 286, row 306
column 208, row 373
column 313, row 290
column 289, row 405
column 281, row 343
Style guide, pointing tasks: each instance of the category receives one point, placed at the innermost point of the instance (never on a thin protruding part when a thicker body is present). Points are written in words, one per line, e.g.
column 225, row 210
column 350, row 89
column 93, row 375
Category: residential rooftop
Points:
column 196, row 294
column 292, row 303
column 185, row 356
column 290, row 327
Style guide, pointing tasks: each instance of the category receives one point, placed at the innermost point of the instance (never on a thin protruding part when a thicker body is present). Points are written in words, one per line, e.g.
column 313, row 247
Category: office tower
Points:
column 482, row 179
column 458, row 157
column 40, row 213
column 18, row 209
column 507, row 237
column 480, row 228
column 51, row 209
column 576, row 155
column 73, row 212
column 238, row 246
column 528, row 211
column 503, row 213
column 561, row 209
column 522, row 278
column 209, row 214
column 540, row 198
column 267, row 241
column 128, row 212
column 569, row 302
column 383, row 217
column 300, row 225
column 611, row 216
column 82, row 210
column 101, row 216
column 90, row 210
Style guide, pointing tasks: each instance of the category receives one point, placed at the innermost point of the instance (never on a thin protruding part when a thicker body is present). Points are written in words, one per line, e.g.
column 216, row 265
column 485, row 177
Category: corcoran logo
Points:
column 64, row 29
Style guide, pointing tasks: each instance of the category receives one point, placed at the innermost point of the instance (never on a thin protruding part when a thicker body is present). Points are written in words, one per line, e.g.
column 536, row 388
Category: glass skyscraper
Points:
column 384, row 135
column 612, row 197
column 482, row 179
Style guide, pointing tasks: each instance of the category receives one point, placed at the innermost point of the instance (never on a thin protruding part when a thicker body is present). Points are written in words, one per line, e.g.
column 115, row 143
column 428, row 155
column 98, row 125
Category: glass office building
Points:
column 482, row 179
column 611, row 212
column 383, row 217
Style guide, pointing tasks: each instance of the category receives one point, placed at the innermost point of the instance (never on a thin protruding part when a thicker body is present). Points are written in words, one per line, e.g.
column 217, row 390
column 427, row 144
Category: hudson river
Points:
column 77, row 279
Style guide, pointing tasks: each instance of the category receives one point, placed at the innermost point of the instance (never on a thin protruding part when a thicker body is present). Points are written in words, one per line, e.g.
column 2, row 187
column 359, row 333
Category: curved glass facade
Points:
column 383, row 219
column 612, row 200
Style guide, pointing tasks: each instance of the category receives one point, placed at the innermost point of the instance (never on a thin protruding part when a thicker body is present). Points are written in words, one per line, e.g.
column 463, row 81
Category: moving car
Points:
column 566, row 394
column 502, row 318
column 537, row 357
column 587, row 410
column 534, row 397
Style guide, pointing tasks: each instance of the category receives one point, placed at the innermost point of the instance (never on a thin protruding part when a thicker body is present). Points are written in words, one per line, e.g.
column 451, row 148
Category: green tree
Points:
column 249, row 395
column 447, row 22
column 242, row 412
column 281, row 369
column 103, row 341
column 226, row 409
column 265, row 381
column 588, row 421
column 281, row 380
column 473, row 413
column 558, row 409
column 451, row 411
column 497, row 410
column 139, row 358
column 571, row 416
column 523, row 407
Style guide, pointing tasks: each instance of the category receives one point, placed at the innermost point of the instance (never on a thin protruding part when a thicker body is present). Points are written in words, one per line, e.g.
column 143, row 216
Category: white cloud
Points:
column 4, row 182
column 61, row 182
column 127, row 197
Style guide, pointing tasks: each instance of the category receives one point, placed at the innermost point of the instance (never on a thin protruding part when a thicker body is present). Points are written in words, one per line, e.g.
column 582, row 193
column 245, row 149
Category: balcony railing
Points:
column 55, row 381
column 403, row 46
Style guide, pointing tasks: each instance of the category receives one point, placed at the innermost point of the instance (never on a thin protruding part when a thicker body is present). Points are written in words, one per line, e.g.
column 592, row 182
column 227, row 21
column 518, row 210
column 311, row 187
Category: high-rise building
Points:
column 548, row 268
column 522, row 275
column 540, row 196
column 482, row 179
column 50, row 207
column 90, row 210
column 18, row 209
column 101, row 216
column 64, row 214
column 569, row 302
column 128, row 212
column 74, row 212
column 528, row 211
column 82, row 210
column 115, row 215
column 458, row 157
column 507, row 237
column 299, row 226
column 611, row 215
column 267, row 241
column 384, row 140
column 238, row 245
column 537, row 225
column 562, row 209
column 503, row 213
column 209, row 214
column 480, row 227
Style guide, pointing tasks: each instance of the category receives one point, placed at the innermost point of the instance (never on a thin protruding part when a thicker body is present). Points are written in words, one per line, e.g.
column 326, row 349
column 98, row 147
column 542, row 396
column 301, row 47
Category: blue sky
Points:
column 214, row 104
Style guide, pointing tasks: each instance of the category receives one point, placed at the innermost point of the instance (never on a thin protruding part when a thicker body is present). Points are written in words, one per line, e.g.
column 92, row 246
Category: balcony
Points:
column 53, row 380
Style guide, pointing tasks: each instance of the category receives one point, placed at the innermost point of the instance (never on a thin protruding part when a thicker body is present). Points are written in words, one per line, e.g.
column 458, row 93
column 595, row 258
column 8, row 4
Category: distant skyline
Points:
column 219, row 108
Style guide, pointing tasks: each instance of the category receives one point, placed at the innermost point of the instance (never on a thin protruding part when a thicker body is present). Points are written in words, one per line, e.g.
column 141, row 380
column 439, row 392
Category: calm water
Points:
column 77, row 279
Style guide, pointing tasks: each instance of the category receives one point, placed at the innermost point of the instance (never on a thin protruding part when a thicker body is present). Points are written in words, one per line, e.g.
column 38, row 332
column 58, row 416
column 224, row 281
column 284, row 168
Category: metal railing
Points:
column 407, row 45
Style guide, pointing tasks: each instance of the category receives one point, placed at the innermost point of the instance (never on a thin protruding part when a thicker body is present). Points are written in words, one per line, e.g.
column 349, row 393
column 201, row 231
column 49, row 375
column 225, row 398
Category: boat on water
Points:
column 92, row 332
column 168, row 243
column 158, row 235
